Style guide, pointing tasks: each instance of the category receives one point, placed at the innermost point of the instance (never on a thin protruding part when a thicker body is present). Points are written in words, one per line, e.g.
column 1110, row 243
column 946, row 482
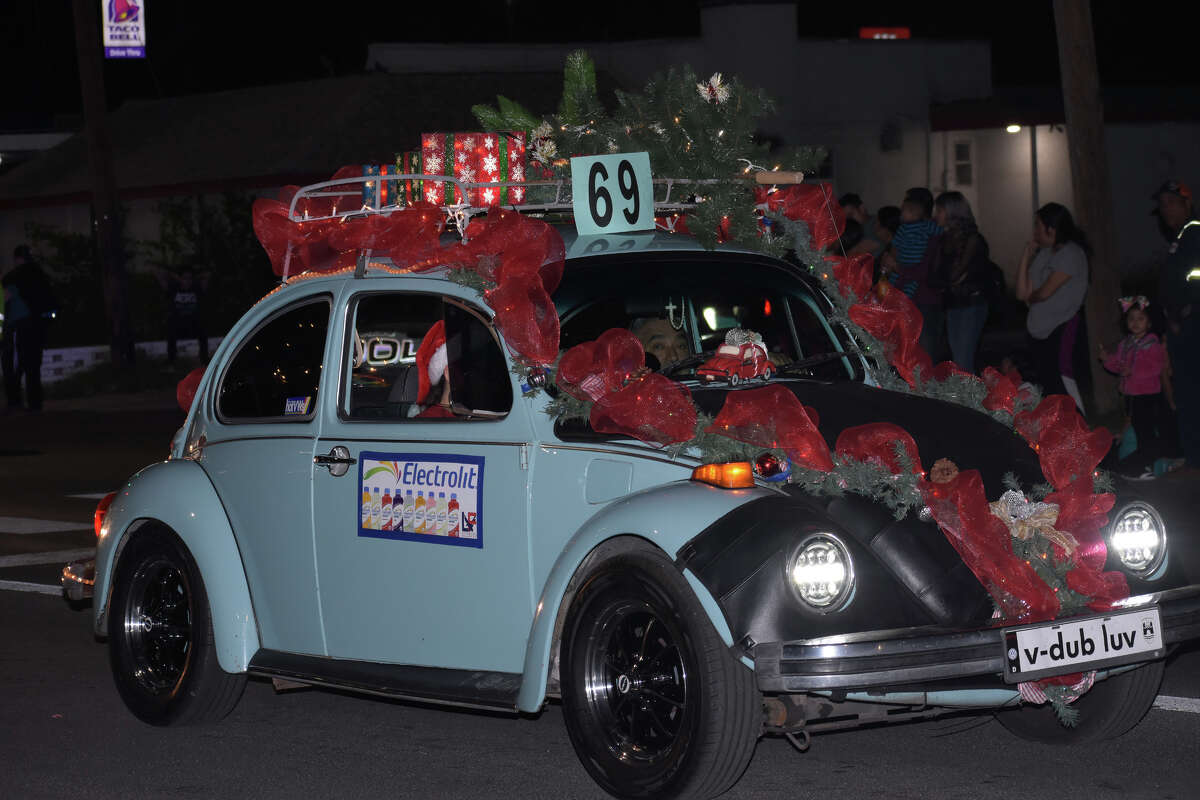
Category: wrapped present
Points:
column 409, row 163
column 488, row 157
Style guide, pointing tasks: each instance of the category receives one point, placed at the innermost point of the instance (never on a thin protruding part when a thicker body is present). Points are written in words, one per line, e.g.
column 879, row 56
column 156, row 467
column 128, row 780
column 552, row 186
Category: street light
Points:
column 1013, row 128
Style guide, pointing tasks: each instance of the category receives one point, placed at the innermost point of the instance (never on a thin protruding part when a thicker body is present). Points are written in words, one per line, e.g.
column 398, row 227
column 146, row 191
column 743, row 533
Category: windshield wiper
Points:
column 813, row 361
column 684, row 363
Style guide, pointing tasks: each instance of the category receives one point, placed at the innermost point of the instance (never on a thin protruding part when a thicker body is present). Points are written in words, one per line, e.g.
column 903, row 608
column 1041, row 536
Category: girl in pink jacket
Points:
column 1139, row 361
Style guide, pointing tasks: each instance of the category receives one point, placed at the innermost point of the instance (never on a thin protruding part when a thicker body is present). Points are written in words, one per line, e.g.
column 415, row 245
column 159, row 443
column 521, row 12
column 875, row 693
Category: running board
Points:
column 492, row 691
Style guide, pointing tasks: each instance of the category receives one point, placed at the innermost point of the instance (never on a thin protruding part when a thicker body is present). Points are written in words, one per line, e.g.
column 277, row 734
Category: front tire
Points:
column 1109, row 709
column 655, row 703
column 161, row 647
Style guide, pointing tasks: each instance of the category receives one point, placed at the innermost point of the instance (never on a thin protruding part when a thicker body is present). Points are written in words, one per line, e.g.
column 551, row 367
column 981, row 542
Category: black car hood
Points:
column 969, row 438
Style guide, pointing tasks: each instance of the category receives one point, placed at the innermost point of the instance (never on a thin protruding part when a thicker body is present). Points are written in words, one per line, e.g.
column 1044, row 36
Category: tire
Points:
column 734, row 379
column 1108, row 710
column 655, row 703
column 767, row 375
column 161, row 648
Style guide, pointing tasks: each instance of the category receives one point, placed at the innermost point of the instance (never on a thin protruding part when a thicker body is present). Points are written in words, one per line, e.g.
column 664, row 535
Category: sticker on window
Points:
column 422, row 497
column 297, row 406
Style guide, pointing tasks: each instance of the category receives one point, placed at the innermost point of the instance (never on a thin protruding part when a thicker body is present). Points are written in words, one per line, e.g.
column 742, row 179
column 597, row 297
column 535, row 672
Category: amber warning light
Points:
column 730, row 475
column 884, row 33
column 102, row 512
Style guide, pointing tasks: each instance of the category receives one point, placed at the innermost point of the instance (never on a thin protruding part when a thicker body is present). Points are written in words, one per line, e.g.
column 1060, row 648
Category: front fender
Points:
column 668, row 517
column 180, row 496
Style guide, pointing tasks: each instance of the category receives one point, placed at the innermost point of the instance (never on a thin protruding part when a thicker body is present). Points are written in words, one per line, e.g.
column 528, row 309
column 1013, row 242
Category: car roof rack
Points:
column 678, row 195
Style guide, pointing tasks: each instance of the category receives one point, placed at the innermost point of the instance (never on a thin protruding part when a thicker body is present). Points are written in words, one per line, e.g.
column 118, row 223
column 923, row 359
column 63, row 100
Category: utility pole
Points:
column 1089, row 178
column 106, row 205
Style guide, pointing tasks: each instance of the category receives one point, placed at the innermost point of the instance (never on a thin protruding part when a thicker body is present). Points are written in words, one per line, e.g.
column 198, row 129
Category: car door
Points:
column 258, row 454
column 427, row 424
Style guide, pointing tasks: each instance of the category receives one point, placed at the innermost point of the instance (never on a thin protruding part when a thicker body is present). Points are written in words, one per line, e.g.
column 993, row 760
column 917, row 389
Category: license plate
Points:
column 1058, row 648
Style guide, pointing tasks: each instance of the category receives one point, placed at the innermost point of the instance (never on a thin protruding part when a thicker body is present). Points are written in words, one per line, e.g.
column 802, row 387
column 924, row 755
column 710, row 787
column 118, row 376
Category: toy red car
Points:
column 736, row 363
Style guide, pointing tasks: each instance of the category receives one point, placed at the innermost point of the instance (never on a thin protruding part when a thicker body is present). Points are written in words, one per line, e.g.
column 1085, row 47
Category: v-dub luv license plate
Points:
column 1057, row 648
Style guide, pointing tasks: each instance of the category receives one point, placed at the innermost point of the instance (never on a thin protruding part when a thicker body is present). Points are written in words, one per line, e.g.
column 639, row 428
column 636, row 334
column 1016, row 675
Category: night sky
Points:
column 197, row 47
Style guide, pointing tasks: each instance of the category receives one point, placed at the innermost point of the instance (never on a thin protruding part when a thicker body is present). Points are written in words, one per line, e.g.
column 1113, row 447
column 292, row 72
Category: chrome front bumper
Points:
column 78, row 578
column 913, row 656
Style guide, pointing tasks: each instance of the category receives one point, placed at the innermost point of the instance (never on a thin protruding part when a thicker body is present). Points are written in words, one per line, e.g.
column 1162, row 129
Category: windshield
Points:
column 682, row 306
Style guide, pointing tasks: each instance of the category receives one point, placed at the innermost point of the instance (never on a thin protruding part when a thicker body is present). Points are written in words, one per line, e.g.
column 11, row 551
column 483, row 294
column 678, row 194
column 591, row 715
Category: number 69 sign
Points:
column 612, row 193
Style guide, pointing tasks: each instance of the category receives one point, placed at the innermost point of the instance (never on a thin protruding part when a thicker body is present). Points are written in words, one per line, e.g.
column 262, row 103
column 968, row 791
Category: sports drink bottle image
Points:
column 376, row 509
column 398, row 510
column 366, row 508
column 452, row 516
column 409, row 512
column 385, row 511
column 441, row 513
column 419, row 512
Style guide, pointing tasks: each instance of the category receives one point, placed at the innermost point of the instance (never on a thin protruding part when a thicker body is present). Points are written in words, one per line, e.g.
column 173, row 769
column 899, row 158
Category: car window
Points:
column 422, row 357
column 817, row 337
column 276, row 374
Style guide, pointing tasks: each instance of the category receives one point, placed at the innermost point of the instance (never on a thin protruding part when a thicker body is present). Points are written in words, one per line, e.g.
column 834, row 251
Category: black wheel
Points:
column 655, row 704
column 161, row 646
column 1108, row 710
column 734, row 379
column 768, row 374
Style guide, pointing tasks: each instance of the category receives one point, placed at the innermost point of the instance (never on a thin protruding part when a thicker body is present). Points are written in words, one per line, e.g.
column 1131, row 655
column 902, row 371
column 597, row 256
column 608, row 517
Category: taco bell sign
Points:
column 124, row 26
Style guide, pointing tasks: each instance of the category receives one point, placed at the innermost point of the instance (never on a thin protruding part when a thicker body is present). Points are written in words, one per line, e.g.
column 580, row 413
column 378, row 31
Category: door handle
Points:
column 337, row 461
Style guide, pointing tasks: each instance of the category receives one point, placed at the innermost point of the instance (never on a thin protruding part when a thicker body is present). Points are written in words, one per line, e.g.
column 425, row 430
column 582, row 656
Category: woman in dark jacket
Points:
column 960, row 267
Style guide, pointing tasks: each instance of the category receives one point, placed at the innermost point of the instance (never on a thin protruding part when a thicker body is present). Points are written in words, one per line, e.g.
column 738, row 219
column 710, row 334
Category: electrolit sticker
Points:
column 421, row 497
column 297, row 406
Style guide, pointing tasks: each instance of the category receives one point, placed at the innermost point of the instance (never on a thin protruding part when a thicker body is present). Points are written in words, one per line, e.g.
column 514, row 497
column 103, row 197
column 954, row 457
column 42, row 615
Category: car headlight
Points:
column 1139, row 539
column 821, row 572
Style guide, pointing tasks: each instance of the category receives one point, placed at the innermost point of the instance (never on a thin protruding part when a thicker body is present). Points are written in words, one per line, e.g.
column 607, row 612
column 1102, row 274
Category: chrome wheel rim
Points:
column 637, row 684
column 158, row 625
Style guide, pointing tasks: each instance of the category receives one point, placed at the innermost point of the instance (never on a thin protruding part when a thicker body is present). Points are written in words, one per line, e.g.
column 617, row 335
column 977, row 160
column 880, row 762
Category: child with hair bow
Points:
column 1139, row 360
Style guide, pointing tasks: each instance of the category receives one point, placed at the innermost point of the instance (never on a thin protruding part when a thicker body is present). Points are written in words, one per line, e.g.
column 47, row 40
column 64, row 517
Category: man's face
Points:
column 1174, row 210
column 662, row 341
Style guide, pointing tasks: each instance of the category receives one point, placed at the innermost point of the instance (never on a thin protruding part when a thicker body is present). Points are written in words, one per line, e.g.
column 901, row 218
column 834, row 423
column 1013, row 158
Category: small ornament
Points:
column 943, row 471
column 743, row 357
column 714, row 89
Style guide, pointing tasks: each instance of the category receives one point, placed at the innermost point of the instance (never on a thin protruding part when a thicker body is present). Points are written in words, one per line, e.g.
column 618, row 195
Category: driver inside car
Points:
column 661, row 341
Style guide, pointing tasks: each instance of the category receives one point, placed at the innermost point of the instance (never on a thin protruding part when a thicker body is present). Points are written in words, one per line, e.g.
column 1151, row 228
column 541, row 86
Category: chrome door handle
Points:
column 337, row 461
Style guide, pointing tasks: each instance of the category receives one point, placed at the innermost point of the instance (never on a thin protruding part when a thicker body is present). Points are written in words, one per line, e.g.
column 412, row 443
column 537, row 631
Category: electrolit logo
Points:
column 122, row 11
column 424, row 497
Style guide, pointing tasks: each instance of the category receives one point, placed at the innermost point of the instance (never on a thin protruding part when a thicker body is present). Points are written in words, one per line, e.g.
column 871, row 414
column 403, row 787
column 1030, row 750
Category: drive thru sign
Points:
column 124, row 26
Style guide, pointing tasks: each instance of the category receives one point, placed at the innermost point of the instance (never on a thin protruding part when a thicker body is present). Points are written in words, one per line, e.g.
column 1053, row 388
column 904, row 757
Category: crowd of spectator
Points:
column 931, row 248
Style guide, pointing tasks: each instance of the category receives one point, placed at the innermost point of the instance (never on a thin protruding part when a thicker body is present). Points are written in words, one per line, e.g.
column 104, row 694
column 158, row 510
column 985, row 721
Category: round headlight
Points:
column 821, row 572
column 1139, row 538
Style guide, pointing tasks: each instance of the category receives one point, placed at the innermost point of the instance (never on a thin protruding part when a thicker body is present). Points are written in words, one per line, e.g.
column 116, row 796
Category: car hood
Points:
column 969, row 438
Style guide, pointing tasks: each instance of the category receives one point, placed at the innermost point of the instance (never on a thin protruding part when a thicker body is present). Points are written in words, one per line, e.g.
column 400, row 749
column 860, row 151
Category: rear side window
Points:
column 277, row 372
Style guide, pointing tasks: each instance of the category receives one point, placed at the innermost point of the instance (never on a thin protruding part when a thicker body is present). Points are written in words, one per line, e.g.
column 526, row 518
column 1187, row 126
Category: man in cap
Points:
column 1179, row 291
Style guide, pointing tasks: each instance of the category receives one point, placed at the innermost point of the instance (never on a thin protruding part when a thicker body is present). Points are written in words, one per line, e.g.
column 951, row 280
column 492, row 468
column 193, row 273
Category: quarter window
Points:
column 277, row 373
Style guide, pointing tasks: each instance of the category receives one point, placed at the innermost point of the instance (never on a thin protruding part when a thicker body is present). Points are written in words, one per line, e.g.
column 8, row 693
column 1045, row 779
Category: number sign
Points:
column 612, row 193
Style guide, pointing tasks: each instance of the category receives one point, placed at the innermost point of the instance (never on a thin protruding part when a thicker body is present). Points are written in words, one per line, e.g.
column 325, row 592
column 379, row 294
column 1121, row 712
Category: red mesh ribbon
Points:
column 813, row 204
column 853, row 274
column 506, row 246
column 773, row 417
column 961, row 509
column 654, row 409
column 894, row 320
column 185, row 391
column 527, row 319
column 1002, row 392
column 593, row 369
column 1066, row 448
column 875, row 443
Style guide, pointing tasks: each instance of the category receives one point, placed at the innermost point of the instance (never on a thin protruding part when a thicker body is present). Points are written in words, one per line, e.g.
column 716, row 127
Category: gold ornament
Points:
column 943, row 471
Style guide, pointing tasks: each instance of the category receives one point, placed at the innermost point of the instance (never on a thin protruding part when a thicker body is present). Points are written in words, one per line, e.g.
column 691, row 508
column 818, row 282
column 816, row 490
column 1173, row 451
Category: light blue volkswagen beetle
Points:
column 366, row 495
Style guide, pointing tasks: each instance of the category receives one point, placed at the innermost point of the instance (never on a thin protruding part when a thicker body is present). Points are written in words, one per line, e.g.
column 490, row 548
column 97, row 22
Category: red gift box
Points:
column 483, row 157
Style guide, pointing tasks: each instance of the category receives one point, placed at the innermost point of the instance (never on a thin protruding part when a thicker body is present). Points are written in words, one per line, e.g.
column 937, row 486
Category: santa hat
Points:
column 431, row 359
